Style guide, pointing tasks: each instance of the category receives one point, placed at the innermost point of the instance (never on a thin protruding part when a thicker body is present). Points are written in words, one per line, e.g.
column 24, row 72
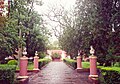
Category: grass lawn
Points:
column 85, row 65
column 30, row 66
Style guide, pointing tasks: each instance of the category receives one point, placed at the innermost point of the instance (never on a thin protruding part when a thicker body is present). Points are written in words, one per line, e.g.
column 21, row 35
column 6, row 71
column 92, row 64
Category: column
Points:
column 36, row 64
column 36, row 69
column 79, row 62
column 23, row 67
column 93, row 64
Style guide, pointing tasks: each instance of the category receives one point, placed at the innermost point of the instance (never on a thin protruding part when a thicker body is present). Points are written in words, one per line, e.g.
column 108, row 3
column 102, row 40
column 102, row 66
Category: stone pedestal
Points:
column 79, row 63
column 23, row 67
column 36, row 69
column 93, row 67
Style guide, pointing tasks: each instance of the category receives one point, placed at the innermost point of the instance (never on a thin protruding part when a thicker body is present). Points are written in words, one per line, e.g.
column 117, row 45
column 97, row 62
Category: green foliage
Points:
column 54, row 45
column 30, row 66
column 2, row 22
column 71, row 62
column 117, row 64
column 86, row 64
column 96, row 24
column 110, row 75
column 22, row 17
column 7, row 74
column 41, row 55
column 43, row 62
column 55, row 55
column 8, row 39
column 12, row 62
column 35, row 41
column 117, row 59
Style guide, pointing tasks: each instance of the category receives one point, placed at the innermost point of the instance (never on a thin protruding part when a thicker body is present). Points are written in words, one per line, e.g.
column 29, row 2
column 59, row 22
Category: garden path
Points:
column 59, row 73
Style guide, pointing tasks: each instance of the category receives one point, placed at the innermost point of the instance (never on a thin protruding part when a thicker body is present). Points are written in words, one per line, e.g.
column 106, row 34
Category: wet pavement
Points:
column 59, row 73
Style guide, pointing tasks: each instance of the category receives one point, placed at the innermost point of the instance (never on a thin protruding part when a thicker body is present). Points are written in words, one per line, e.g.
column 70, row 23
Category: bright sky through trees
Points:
column 47, row 4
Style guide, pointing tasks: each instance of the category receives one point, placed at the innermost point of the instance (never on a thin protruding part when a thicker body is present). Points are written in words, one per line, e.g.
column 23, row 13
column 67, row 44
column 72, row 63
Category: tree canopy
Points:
column 23, row 28
column 96, row 23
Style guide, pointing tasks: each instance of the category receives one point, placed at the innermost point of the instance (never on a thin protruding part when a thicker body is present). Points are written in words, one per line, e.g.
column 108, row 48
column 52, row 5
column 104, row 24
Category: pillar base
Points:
column 79, row 68
column 93, row 76
column 22, row 77
column 82, row 70
column 93, row 79
column 36, row 70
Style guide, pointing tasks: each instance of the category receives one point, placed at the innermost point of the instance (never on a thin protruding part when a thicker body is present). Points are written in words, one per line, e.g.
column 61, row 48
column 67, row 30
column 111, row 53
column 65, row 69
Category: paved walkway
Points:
column 59, row 73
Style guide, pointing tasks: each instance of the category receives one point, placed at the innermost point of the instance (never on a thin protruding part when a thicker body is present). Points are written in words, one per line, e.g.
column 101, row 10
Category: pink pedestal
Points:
column 79, row 63
column 36, row 69
column 23, row 67
column 93, row 66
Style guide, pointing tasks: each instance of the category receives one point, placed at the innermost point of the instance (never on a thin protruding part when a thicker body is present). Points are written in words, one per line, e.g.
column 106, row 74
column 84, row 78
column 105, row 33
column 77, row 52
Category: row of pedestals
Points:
column 24, row 64
column 93, row 65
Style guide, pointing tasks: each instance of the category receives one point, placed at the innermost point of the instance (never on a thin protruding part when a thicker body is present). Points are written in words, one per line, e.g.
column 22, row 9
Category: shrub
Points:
column 71, row 62
column 41, row 54
column 117, row 64
column 43, row 62
column 7, row 73
column 110, row 75
column 55, row 55
column 12, row 62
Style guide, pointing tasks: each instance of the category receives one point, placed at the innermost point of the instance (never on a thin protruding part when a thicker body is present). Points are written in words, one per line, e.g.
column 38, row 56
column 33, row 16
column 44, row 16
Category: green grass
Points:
column 30, row 66
column 85, row 65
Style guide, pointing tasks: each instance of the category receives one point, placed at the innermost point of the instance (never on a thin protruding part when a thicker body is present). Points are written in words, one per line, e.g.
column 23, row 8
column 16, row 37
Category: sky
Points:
column 47, row 4
column 68, row 4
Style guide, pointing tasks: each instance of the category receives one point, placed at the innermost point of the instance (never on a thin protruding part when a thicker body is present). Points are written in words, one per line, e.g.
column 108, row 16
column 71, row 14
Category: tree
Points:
column 22, row 17
column 65, row 26
column 107, row 31
column 34, row 37
column 97, row 24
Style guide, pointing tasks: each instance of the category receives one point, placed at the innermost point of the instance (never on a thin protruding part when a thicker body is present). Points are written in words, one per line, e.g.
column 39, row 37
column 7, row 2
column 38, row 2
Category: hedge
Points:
column 71, row 62
column 43, row 62
column 110, row 75
column 7, row 74
column 12, row 62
